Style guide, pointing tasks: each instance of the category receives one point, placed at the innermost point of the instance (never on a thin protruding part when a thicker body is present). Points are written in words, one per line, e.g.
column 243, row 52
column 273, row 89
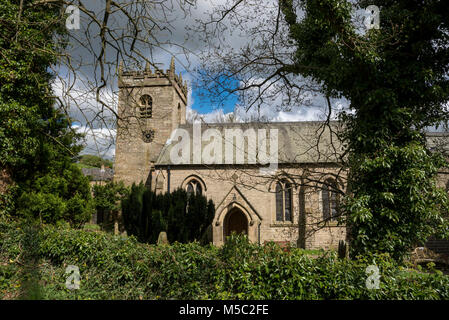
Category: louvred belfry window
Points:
column 146, row 106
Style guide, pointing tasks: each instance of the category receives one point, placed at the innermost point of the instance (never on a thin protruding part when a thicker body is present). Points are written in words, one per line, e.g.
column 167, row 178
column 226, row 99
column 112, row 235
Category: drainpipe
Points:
column 258, row 232
column 168, row 178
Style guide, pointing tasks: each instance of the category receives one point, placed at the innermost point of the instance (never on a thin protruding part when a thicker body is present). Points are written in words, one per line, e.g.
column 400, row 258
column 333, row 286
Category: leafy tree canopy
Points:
column 95, row 161
column 396, row 79
column 37, row 145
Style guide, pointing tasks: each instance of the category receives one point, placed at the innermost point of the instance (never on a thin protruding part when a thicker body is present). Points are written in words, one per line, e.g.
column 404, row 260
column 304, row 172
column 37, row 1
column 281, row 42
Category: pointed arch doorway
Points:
column 235, row 221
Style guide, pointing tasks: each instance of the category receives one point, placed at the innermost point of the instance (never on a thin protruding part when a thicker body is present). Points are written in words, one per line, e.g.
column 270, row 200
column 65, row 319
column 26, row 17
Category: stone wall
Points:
column 252, row 193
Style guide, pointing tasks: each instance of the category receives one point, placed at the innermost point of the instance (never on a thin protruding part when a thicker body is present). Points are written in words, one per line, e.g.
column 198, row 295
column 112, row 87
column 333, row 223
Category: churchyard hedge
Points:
column 117, row 267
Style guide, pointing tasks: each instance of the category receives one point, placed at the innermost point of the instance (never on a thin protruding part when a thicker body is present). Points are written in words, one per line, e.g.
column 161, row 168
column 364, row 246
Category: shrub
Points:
column 46, row 207
column 107, row 201
column 54, row 197
column 184, row 217
column 113, row 267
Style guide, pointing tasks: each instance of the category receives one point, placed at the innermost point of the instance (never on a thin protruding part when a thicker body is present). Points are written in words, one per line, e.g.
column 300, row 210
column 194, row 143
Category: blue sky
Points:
column 203, row 103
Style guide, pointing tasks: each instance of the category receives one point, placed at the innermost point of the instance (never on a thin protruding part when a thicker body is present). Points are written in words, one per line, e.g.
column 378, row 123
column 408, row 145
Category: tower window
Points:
column 283, row 201
column 146, row 106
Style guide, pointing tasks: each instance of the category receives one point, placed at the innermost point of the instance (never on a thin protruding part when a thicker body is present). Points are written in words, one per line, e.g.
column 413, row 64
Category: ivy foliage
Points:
column 396, row 79
column 398, row 205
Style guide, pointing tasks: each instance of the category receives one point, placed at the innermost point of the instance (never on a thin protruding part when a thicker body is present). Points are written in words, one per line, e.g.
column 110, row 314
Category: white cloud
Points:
column 79, row 99
column 100, row 141
column 89, row 117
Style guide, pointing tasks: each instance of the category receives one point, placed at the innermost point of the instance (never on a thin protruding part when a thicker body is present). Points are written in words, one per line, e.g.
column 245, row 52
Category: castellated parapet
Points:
column 147, row 76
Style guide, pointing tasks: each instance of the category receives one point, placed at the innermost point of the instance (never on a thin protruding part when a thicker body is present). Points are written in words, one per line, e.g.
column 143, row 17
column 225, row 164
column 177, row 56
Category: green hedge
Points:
column 113, row 267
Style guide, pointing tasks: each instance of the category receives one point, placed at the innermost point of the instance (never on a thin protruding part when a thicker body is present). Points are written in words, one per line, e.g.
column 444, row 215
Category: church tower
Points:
column 150, row 106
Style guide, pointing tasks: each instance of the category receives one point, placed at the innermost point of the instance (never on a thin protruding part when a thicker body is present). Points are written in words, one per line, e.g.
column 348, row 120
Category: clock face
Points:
column 148, row 135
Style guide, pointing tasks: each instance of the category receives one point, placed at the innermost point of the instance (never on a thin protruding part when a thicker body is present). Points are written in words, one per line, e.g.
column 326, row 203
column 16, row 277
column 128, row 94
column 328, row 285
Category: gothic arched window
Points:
column 193, row 186
column 146, row 106
column 283, row 201
column 330, row 200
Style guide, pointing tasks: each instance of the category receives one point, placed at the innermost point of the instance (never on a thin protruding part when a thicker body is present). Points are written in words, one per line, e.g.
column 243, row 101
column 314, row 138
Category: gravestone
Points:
column 162, row 239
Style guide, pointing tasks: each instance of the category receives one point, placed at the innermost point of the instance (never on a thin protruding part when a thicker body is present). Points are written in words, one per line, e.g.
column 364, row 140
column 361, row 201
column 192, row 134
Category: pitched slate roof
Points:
column 298, row 142
column 96, row 174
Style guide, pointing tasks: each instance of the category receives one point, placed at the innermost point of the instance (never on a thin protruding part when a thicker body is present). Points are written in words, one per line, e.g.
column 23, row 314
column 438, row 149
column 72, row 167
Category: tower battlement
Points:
column 130, row 76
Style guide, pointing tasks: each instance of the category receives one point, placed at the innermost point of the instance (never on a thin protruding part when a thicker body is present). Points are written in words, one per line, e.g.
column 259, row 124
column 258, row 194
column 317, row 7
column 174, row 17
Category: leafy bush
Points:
column 54, row 197
column 107, row 201
column 113, row 267
column 46, row 206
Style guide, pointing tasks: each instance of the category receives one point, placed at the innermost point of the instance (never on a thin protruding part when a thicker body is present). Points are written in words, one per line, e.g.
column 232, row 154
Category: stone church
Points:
column 276, row 182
